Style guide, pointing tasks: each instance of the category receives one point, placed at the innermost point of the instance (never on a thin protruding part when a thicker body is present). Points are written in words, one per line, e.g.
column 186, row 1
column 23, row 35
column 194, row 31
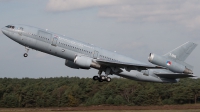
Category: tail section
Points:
column 181, row 53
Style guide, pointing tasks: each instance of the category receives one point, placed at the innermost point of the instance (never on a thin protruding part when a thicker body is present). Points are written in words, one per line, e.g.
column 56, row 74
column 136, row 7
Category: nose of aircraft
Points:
column 3, row 30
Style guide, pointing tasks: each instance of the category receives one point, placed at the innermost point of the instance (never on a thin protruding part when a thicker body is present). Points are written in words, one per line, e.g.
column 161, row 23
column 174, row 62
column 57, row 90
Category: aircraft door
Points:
column 54, row 42
column 20, row 31
column 95, row 54
column 23, row 38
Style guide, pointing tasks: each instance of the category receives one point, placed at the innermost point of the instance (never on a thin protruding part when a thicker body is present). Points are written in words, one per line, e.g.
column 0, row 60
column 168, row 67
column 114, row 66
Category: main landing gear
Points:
column 26, row 54
column 102, row 78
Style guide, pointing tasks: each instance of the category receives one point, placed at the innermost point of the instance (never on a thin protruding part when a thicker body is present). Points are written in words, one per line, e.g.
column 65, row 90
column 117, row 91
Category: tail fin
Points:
column 181, row 53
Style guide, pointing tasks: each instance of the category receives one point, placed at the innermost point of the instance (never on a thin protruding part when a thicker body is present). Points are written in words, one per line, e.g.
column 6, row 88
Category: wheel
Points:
column 100, row 80
column 108, row 79
column 102, row 77
column 95, row 78
column 25, row 54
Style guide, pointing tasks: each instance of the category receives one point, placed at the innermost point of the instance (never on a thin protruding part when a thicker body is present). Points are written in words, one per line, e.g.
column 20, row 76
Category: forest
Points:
column 75, row 91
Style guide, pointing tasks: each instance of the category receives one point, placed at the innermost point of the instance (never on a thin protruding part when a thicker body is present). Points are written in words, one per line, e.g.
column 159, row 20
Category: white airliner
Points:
column 80, row 55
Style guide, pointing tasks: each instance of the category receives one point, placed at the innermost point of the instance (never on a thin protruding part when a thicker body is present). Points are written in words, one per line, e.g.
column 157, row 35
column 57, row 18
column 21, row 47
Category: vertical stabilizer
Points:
column 181, row 52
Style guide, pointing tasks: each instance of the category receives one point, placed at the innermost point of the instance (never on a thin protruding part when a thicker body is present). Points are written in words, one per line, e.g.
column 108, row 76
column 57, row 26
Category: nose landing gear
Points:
column 26, row 54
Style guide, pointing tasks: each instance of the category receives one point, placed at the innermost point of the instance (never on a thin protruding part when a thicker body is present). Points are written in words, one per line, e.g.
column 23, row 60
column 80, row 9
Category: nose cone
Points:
column 3, row 30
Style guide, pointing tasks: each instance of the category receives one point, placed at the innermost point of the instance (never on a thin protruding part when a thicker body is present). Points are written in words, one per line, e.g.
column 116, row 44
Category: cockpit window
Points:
column 9, row 26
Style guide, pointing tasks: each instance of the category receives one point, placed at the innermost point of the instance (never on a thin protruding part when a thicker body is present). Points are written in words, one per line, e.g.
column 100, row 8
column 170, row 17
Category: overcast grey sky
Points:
column 131, row 27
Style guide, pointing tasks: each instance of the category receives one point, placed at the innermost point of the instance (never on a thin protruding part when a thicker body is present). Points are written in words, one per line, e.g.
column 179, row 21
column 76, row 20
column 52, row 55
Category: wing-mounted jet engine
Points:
column 169, row 64
column 71, row 64
column 85, row 62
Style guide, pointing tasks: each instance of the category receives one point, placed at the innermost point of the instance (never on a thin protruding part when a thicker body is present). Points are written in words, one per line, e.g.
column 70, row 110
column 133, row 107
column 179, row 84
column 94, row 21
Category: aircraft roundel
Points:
column 168, row 63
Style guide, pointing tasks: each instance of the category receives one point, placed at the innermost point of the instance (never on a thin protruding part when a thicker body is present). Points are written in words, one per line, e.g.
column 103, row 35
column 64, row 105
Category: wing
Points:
column 127, row 66
column 173, row 75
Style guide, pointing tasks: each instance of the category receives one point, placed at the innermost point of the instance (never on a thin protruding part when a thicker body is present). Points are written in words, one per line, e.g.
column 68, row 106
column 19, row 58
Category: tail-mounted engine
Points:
column 171, row 65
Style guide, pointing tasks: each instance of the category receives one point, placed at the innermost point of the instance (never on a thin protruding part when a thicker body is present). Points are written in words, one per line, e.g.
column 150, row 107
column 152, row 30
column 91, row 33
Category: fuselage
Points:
column 68, row 48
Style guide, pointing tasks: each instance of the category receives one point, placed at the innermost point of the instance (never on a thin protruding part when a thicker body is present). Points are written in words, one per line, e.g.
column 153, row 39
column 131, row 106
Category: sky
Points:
column 133, row 28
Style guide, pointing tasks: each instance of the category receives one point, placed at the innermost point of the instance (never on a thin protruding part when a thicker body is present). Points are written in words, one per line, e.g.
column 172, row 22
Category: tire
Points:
column 25, row 54
column 100, row 80
column 102, row 77
column 108, row 79
column 95, row 78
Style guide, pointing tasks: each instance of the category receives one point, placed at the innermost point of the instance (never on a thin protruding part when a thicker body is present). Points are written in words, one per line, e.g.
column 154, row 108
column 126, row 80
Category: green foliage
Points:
column 74, row 91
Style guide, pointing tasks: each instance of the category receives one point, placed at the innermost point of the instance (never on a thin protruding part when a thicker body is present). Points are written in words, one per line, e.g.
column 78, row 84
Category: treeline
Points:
column 66, row 91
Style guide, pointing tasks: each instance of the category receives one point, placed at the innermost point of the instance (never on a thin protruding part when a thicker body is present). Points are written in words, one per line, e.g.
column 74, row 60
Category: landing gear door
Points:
column 95, row 54
column 54, row 41
column 146, row 72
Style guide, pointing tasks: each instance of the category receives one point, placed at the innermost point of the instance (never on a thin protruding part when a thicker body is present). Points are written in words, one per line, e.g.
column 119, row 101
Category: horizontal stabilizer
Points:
column 173, row 75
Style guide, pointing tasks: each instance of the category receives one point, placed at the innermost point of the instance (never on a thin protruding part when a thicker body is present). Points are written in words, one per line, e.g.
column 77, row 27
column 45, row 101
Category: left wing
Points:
column 127, row 66
column 173, row 75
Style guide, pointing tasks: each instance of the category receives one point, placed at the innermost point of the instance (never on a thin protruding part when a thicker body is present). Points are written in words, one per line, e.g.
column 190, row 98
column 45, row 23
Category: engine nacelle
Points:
column 71, row 64
column 83, row 62
column 86, row 62
column 171, row 65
